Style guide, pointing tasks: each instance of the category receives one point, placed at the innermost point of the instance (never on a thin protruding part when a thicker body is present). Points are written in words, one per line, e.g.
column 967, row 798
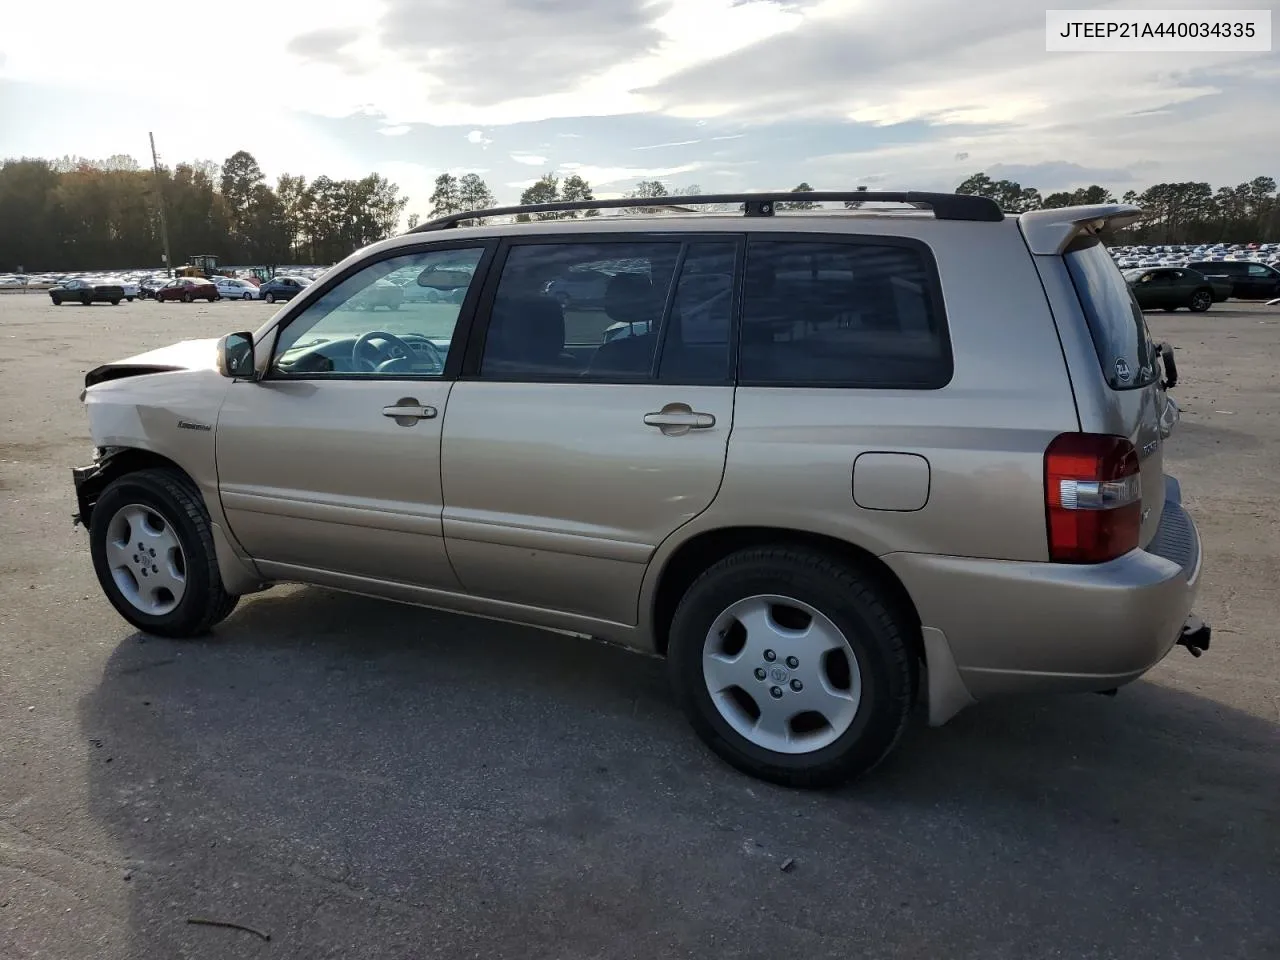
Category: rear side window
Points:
column 843, row 314
column 1116, row 324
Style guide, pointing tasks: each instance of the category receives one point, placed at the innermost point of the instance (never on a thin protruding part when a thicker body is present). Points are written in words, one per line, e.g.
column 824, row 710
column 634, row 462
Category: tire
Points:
column 215, row 298
column 86, row 300
column 187, row 298
column 393, row 306
column 247, row 296
column 130, row 299
column 1201, row 301
column 1169, row 309
column 174, row 514
column 57, row 301
column 115, row 303
column 880, row 677
column 270, row 297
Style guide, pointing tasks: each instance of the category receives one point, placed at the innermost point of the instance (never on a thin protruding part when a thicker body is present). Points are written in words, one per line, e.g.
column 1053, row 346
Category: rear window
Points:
column 843, row 314
column 1119, row 331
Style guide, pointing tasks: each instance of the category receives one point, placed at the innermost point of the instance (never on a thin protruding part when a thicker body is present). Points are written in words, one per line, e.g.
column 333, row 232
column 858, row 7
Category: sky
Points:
column 731, row 95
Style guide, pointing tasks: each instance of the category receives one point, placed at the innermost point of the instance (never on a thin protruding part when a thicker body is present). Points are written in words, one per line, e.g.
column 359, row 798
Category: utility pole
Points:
column 164, row 220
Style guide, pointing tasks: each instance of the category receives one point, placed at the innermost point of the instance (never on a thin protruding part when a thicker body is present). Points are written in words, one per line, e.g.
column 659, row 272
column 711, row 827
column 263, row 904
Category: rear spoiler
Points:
column 1050, row 232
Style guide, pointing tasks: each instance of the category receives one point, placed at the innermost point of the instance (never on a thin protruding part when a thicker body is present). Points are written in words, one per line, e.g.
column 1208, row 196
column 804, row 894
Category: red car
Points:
column 187, row 289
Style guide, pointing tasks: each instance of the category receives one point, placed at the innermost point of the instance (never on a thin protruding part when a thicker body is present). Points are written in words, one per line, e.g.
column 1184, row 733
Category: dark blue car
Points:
column 282, row 288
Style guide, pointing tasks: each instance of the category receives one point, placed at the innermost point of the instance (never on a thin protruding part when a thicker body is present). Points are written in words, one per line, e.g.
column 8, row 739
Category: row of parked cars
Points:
column 1170, row 277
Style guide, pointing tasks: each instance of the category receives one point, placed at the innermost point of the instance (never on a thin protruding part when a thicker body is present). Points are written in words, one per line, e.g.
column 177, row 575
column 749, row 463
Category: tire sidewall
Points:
column 877, row 721
column 142, row 490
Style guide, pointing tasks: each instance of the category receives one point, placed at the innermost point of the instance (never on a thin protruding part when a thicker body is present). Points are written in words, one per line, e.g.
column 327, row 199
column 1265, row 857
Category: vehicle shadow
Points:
column 357, row 778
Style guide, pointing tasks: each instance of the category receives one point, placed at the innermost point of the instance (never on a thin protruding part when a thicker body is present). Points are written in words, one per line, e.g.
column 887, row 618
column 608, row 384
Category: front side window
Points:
column 852, row 314
column 394, row 317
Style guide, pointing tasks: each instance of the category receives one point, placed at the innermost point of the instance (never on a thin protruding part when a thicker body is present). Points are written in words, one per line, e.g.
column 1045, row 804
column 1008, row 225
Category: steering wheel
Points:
column 361, row 362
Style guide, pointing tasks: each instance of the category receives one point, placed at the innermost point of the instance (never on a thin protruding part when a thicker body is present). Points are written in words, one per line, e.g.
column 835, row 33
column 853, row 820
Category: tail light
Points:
column 1092, row 497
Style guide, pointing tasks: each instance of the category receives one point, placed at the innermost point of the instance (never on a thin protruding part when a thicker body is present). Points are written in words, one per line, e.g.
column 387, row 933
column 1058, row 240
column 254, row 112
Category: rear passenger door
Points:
column 585, row 430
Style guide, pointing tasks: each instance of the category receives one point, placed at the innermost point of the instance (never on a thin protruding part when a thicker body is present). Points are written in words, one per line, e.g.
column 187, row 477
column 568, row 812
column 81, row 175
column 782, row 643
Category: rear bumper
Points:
column 1022, row 626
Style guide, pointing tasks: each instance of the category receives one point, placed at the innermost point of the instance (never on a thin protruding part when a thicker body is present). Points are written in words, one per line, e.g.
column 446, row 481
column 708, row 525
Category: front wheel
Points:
column 187, row 298
column 86, row 300
column 153, row 552
column 130, row 299
column 1201, row 301
column 792, row 666
column 215, row 297
column 270, row 297
column 1169, row 309
column 57, row 301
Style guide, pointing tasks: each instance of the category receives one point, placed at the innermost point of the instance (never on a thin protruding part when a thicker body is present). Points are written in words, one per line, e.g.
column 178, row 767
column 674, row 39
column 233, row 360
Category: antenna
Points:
column 164, row 220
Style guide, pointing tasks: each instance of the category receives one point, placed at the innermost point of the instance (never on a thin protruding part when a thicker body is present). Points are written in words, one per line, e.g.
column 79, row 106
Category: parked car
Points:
column 233, row 288
column 76, row 290
column 147, row 288
column 129, row 287
column 381, row 293
column 188, row 289
column 282, row 288
column 1173, row 287
column 1250, row 280
column 852, row 489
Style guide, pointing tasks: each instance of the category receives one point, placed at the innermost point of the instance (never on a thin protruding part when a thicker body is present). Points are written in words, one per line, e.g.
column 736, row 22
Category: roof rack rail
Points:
column 945, row 206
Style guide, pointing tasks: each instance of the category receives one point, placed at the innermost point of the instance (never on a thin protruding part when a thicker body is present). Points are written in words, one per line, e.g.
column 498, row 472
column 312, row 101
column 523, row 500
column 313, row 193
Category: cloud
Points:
column 529, row 159
column 674, row 143
column 606, row 176
column 397, row 131
column 478, row 137
column 535, row 46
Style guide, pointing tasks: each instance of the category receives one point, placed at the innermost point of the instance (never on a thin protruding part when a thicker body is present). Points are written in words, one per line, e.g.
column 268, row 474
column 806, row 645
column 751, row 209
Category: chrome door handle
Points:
column 691, row 420
column 407, row 411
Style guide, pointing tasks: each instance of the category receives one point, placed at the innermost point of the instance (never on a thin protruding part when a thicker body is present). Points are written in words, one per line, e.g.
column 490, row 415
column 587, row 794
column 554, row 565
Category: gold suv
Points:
column 827, row 463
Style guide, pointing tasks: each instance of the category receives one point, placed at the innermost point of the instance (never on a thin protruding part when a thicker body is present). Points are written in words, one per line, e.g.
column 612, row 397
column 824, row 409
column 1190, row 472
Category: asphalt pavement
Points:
column 353, row 778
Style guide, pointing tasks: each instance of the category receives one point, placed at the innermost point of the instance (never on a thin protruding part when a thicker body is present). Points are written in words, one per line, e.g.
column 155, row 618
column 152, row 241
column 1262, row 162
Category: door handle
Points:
column 407, row 411
column 694, row 421
column 677, row 419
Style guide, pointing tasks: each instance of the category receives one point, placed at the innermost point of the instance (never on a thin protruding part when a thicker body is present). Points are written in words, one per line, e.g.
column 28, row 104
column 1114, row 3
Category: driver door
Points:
column 331, row 462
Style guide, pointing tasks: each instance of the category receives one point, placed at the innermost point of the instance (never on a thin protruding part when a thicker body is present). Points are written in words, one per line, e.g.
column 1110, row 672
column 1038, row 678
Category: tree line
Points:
column 1188, row 212
column 78, row 214
column 73, row 214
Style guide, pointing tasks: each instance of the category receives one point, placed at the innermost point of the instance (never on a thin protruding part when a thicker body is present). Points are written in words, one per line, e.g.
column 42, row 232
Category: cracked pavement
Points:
column 357, row 778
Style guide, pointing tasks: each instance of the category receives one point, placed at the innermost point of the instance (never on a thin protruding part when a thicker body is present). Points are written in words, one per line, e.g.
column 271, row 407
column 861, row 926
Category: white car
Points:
column 130, row 287
column 234, row 289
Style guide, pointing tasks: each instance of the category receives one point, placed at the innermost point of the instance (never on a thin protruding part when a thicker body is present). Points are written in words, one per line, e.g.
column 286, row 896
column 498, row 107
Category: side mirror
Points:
column 235, row 356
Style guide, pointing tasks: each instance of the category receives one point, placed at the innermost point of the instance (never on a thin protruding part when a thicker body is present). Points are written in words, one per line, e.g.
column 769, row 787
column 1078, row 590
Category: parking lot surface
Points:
column 359, row 779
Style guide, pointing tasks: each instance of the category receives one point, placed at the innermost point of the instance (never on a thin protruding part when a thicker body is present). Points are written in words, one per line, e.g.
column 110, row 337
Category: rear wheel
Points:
column 1169, row 309
column 115, row 302
column 187, row 297
column 130, row 299
column 247, row 296
column 791, row 666
column 86, row 299
column 153, row 552
column 1201, row 301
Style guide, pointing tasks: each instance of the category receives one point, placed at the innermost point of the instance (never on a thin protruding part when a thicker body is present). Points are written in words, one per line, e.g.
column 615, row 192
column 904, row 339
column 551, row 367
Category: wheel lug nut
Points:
column 775, row 692
column 152, row 552
column 797, row 686
column 792, row 662
column 759, row 673
column 770, row 656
